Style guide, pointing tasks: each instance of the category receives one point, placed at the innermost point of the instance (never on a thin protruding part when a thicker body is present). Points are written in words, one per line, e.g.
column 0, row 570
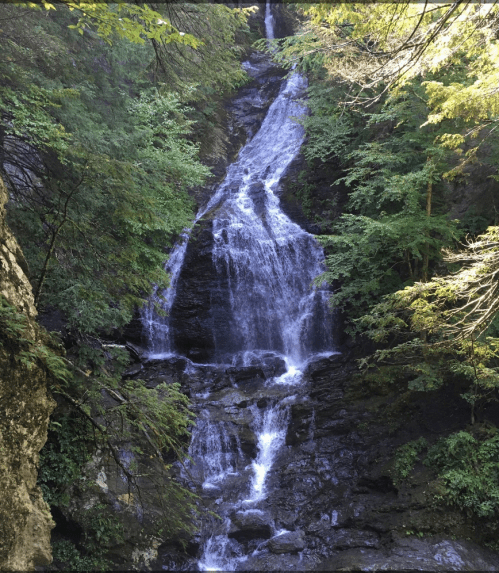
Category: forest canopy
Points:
column 405, row 112
column 104, row 108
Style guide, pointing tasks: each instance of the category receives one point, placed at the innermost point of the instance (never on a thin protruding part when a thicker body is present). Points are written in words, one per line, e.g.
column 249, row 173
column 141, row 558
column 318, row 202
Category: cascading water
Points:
column 158, row 329
column 268, row 264
column 213, row 449
column 271, row 435
column 269, row 261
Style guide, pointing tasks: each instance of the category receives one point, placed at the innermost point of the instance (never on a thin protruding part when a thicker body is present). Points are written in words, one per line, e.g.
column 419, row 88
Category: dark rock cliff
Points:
column 331, row 486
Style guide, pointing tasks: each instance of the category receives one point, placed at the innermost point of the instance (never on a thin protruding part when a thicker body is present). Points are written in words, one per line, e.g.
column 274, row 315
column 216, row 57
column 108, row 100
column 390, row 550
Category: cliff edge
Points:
column 25, row 408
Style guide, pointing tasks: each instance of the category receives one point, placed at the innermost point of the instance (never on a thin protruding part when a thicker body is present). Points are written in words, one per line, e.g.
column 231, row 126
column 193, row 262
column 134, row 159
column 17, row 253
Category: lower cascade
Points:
column 271, row 323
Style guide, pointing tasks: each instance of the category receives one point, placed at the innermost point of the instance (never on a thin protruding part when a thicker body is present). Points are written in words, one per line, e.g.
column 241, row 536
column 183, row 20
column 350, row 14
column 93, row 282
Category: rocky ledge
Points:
column 331, row 501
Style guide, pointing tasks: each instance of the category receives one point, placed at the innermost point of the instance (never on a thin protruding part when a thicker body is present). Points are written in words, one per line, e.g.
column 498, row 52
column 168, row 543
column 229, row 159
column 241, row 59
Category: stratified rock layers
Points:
column 25, row 407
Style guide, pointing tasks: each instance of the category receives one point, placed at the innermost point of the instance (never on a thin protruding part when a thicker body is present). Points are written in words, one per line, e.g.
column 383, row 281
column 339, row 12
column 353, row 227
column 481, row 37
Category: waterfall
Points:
column 215, row 450
column 271, row 435
column 268, row 260
column 268, row 263
column 157, row 327
column 269, row 22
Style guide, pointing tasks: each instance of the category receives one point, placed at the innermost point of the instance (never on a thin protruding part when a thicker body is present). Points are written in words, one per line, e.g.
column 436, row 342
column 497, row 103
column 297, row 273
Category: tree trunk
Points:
column 409, row 266
column 426, row 256
column 45, row 268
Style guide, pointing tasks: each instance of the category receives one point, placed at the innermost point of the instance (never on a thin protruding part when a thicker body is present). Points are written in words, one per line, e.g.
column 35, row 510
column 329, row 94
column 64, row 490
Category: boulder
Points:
column 245, row 373
column 250, row 524
column 287, row 542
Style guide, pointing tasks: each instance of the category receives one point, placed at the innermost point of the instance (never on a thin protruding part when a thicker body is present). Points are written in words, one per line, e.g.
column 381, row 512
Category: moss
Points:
column 25, row 521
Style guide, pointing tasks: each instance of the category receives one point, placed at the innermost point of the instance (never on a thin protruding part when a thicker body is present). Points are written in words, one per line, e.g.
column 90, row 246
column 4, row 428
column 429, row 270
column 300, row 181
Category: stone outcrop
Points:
column 25, row 407
column 332, row 503
column 14, row 284
column 288, row 542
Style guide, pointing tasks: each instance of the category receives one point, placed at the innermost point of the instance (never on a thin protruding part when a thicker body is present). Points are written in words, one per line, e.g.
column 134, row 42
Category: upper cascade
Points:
column 267, row 262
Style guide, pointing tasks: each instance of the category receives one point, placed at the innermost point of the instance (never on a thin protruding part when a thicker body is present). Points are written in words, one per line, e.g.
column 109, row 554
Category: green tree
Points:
column 375, row 49
column 105, row 171
column 412, row 83
column 389, row 231
column 99, row 155
column 444, row 330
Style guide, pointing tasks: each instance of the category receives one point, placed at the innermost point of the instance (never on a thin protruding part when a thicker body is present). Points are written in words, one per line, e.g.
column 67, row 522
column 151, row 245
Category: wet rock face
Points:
column 248, row 109
column 330, row 500
column 25, row 521
column 250, row 525
column 191, row 320
column 201, row 318
column 435, row 554
column 288, row 542
column 201, row 315
column 243, row 115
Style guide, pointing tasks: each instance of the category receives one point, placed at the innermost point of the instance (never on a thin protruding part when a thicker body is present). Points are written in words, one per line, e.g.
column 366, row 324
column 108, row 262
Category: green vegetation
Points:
column 66, row 553
column 406, row 457
column 104, row 108
column 61, row 460
column 101, row 531
column 391, row 230
column 468, row 470
column 404, row 116
column 27, row 349
column 465, row 473
column 110, row 188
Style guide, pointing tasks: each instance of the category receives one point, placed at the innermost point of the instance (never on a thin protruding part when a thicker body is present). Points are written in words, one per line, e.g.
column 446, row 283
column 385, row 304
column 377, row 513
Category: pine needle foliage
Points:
column 98, row 148
column 387, row 232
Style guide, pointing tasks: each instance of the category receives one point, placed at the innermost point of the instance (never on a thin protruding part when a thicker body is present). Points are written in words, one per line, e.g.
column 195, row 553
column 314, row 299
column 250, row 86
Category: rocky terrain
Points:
column 332, row 502
column 25, row 407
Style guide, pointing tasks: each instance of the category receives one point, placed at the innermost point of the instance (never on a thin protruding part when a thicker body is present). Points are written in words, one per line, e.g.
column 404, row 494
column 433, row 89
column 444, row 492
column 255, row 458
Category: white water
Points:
column 222, row 553
column 268, row 263
column 157, row 328
column 217, row 452
column 271, row 434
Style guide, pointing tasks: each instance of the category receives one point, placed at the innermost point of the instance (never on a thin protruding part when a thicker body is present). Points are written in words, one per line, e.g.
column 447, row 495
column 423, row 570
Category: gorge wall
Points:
column 25, row 407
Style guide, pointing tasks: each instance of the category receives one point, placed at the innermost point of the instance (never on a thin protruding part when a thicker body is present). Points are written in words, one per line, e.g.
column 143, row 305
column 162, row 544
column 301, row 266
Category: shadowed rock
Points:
column 251, row 524
column 289, row 542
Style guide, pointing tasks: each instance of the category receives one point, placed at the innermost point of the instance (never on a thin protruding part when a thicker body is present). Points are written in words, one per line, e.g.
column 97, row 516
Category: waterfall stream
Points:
column 268, row 264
